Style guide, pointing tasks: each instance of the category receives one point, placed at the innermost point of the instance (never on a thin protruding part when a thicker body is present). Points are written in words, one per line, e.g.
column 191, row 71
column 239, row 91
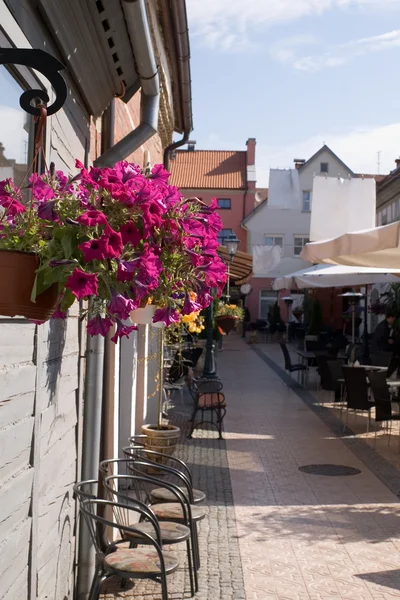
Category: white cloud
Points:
column 287, row 51
column 358, row 149
column 231, row 24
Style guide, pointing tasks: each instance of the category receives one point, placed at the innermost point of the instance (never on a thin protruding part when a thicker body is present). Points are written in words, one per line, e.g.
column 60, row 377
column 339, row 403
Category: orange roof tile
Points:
column 210, row 169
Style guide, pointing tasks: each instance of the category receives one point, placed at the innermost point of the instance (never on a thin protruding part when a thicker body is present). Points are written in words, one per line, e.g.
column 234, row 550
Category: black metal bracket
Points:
column 49, row 67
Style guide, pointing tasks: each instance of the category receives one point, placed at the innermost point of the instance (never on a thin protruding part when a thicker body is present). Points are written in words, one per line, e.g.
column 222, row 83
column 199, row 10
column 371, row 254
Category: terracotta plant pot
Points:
column 143, row 316
column 163, row 440
column 17, row 276
column 226, row 323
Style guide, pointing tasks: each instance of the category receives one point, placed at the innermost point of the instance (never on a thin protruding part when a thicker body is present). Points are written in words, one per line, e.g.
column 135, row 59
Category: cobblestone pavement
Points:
column 220, row 575
column 273, row 532
column 303, row 536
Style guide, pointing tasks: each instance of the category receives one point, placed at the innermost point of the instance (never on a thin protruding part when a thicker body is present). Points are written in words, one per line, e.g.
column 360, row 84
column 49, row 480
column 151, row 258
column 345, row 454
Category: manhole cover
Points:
column 329, row 470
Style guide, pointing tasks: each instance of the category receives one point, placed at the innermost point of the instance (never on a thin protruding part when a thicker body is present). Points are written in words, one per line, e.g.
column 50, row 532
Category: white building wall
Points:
column 41, row 406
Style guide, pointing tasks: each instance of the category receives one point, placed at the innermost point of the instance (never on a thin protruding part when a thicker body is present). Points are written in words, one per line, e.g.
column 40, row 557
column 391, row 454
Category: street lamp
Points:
column 232, row 245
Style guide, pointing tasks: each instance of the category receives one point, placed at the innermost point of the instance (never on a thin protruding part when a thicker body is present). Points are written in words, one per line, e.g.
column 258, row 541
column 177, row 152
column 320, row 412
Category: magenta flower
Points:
column 46, row 211
column 92, row 217
column 166, row 315
column 41, row 189
column 12, row 206
column 126, row 269
column 82, row 284
column 159, row 174
column 189, row 306
column 122, row 330
column 112, row 243
column 120, row 306
column 99, row 326
column 93, row 250
column 130, row 234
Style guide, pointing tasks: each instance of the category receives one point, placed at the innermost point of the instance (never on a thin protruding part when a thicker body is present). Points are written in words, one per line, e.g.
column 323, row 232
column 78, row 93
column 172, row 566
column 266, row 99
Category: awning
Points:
column 377, row 247
column 326, row 276
column 240, row 268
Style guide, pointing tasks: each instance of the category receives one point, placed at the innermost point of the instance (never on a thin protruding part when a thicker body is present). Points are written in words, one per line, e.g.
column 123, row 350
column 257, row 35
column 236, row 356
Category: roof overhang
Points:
column 240, row 268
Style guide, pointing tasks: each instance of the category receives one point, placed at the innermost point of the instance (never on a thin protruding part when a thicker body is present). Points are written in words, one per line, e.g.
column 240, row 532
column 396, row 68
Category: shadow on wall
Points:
column 57, row 333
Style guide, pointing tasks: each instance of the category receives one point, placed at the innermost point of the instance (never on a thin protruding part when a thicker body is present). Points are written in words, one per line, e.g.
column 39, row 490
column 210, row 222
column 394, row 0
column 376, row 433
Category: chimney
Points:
column 191, row 145
column 298, row 162
column 397, row 161
column 250, row 196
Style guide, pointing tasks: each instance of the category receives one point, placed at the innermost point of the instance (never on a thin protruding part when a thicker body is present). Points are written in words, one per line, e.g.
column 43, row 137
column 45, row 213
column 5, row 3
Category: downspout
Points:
column 178, row 14
column 140, row 37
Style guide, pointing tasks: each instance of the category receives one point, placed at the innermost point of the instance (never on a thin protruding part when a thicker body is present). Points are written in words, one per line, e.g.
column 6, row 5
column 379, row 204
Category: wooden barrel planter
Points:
column 226, row 323
column 17, row 277
column 163, row 440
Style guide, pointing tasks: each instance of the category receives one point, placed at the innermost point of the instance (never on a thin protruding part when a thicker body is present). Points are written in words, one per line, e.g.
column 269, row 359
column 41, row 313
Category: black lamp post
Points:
column 210, row 371
column 232, row 245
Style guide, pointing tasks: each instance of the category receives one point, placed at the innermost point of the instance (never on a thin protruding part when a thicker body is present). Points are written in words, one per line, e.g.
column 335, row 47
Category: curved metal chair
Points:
column 120, row 489
column 128, row 563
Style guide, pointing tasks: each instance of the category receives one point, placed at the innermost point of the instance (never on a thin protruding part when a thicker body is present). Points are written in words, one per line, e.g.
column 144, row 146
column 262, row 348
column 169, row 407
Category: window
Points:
column 273, row 240
column 384, row 217
column 306, row 200
column 324, row 168
column 16, row 130
column 299, row 243
column 223, row 235
column 267, row 299
column 224, row 203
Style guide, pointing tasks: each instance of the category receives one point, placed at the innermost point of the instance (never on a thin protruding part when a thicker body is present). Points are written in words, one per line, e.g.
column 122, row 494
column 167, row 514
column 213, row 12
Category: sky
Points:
column 296, row 74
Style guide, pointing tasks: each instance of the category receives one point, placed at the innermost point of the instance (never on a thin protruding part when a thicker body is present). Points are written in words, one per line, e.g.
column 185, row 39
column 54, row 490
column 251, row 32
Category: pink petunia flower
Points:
column 166, row 315
column 46, row 211
column 123, row 330
column 130, row 233
column 112, row 241
column 99, row 326
column 82, row 284
column 93, row 250
column 120, row 306
column 91, row 218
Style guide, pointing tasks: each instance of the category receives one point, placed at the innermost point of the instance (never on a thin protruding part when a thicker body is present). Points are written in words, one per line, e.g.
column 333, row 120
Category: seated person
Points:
column 383, row 338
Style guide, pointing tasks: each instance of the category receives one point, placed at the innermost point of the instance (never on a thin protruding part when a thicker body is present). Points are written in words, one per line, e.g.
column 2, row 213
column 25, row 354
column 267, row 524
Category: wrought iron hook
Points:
column 49, row 67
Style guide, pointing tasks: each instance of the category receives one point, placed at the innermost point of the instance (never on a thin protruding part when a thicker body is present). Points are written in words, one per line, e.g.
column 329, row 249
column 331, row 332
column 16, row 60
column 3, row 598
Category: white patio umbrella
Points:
column 378, row 247
column 326, row 276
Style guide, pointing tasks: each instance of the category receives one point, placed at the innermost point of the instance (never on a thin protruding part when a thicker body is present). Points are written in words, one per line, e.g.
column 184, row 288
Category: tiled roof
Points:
column 377, row 178
column 209, row 169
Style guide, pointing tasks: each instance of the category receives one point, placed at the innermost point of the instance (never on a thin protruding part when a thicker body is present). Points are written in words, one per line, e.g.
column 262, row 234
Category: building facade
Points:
column 284, row 221
column 228, row 176
column 43, row 368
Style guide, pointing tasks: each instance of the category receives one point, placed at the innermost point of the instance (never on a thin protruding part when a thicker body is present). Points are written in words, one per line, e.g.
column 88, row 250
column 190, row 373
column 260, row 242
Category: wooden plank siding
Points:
column 39, row 398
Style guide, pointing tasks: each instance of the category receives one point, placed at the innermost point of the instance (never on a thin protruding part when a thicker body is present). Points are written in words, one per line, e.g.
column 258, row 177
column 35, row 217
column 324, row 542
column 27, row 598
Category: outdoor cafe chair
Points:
column 327, row 380
column 335, row 368
column 357, row 392
column 153, row 456
column 166, row 511
column 289, row 366
column 383, row 402
column 119, row 489
column 212, row 402
column 128, row 563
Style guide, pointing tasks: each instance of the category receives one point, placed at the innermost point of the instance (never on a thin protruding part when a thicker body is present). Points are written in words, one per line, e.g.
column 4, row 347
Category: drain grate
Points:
column 329, row 470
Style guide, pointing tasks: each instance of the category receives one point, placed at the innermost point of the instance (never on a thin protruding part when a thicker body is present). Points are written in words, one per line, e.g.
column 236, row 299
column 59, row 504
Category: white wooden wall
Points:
column 39, row 404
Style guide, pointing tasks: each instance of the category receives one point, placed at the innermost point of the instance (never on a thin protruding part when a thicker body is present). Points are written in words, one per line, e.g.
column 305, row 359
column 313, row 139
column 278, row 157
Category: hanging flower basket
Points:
column 226, row 323
column 17, row 276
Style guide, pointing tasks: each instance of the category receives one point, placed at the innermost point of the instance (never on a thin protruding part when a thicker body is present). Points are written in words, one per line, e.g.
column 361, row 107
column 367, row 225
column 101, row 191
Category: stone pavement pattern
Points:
column 302, row 537
column 220, row 575
column 273, row 532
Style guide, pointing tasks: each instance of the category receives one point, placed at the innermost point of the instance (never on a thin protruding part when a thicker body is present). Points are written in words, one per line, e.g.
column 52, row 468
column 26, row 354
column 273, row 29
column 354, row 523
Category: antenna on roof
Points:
column 379, row 161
